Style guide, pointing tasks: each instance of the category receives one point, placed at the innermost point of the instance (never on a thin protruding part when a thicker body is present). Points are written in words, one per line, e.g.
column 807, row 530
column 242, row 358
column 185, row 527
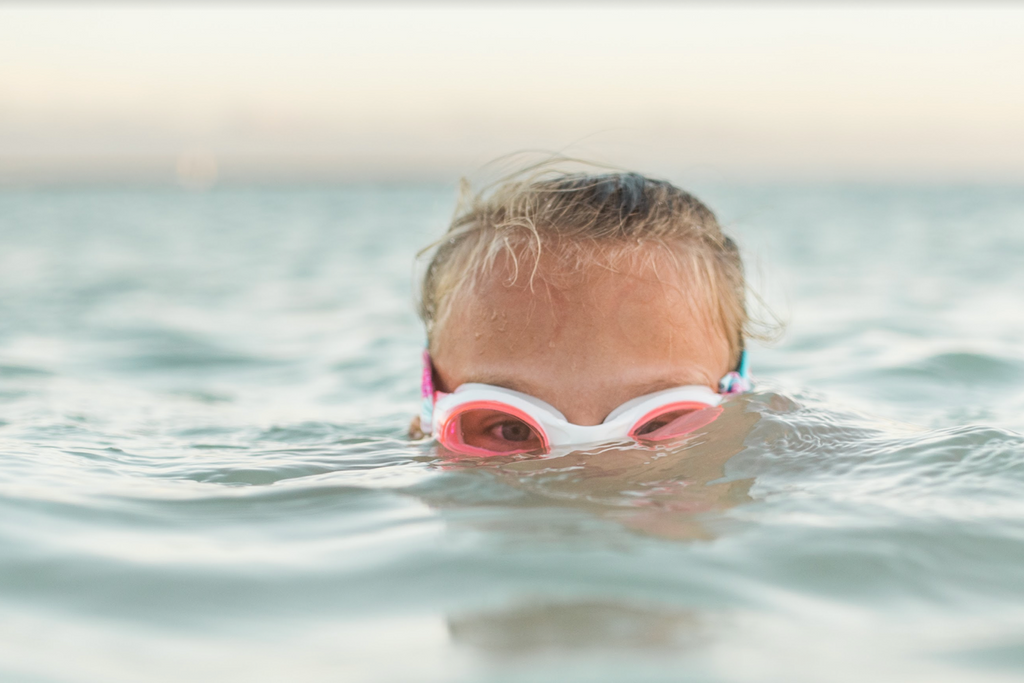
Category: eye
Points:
column 490, row 431
column 659, row 422
column 513, row 430
column 675, row 421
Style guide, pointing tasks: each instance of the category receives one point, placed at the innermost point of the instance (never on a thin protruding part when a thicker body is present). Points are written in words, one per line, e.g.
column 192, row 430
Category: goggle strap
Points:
column 427, row 395
column 737, row 381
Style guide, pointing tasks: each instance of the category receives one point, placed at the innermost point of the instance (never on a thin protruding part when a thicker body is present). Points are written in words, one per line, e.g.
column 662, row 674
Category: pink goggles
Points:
column 485, row 420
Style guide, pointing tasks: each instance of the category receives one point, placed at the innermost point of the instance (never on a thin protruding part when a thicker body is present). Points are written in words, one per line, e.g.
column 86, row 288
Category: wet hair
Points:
column 580, row 218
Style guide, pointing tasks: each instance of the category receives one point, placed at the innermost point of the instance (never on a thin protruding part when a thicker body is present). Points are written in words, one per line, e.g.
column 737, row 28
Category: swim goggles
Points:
column 485, row 420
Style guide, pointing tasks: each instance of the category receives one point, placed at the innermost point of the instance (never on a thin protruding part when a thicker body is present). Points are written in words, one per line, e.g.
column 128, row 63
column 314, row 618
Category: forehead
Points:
column 554, row 294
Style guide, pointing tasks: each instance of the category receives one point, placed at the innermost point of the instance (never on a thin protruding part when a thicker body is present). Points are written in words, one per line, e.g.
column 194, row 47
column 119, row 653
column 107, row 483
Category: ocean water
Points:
column 204, row 474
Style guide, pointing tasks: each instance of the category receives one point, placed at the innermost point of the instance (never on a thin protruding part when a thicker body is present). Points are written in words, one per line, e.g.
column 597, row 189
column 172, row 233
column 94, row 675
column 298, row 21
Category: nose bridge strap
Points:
column 564, row 433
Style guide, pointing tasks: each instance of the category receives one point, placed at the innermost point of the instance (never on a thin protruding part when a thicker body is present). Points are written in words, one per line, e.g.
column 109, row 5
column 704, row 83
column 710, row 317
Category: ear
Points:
column 415, row 432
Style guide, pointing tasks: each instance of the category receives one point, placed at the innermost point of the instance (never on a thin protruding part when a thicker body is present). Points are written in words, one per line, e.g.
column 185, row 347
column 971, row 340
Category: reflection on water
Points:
column 656, row 490
column 531, row 630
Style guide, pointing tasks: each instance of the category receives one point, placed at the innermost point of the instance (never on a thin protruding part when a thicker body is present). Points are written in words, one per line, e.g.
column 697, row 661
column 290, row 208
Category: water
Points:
column 203, row 474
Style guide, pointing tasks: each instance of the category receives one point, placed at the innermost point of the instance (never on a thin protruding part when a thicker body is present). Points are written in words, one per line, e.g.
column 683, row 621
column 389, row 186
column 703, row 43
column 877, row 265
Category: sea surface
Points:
column 204, row 474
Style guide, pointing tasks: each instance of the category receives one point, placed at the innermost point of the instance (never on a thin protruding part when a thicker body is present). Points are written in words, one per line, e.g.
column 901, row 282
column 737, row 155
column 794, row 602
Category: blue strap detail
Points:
column 737, row 381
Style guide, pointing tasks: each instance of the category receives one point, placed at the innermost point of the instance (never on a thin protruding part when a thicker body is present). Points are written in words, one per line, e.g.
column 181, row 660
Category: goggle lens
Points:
column 491, row 431
column 674, row 420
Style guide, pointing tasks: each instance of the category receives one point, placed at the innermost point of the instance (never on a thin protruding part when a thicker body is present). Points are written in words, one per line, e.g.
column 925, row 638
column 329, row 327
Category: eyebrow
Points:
column 504, row 382
column 658, row 385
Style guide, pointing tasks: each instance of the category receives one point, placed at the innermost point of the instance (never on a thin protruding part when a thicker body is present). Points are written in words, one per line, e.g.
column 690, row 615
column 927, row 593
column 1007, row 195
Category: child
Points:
column 566, row 308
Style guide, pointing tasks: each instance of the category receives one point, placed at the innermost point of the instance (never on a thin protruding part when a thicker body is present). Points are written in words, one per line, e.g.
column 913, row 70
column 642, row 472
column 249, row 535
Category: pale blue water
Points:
column 203, row 474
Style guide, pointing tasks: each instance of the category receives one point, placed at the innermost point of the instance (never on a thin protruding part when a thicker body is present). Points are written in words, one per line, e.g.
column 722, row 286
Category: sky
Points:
column 195, row 93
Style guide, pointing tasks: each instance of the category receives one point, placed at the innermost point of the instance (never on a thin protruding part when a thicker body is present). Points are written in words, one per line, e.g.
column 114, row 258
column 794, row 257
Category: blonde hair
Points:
column 581, row 218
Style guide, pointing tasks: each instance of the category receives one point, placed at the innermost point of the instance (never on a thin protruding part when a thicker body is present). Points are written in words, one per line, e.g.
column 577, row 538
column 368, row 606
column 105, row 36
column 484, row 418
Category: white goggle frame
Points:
column 555, row 430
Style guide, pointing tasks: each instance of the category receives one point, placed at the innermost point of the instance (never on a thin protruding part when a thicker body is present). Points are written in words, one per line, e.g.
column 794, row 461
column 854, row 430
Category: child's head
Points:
column 584, row 291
